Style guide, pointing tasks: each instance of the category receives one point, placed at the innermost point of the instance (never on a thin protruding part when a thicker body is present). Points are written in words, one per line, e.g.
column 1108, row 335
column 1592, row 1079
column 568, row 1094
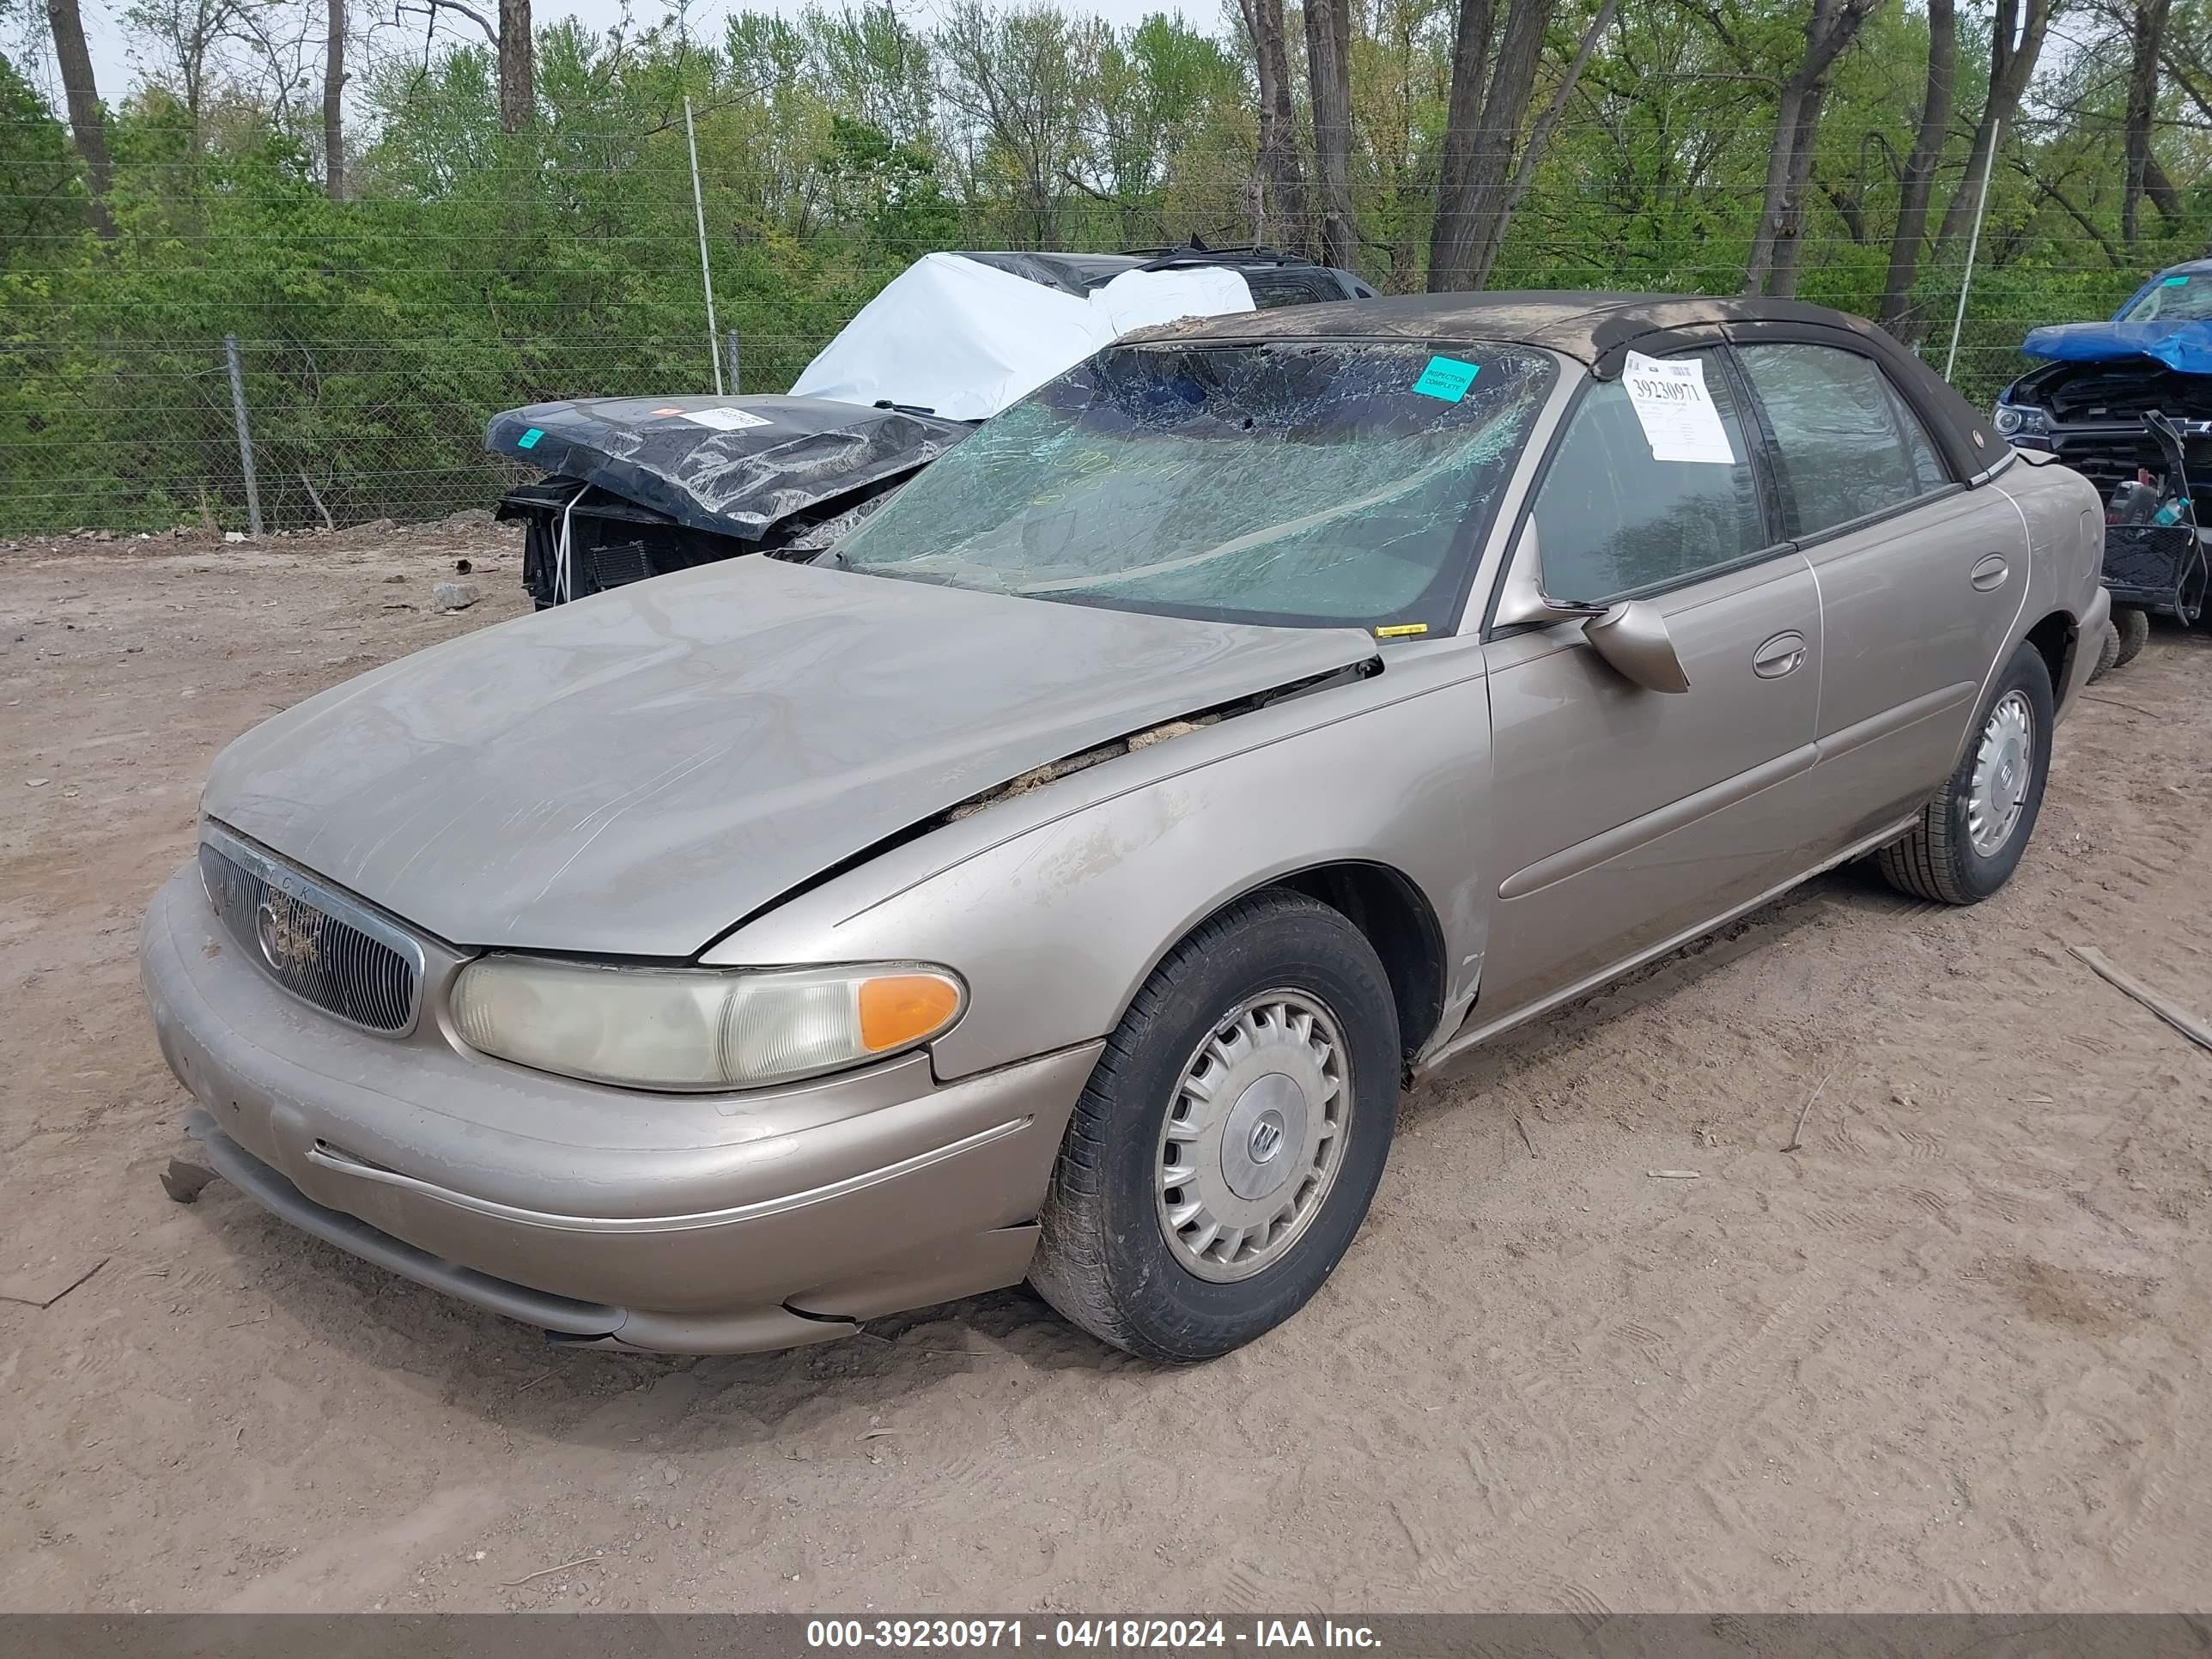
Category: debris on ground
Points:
column 41, row 1287
column 2197, row 1031
column 183, row 1181
column 455, row 596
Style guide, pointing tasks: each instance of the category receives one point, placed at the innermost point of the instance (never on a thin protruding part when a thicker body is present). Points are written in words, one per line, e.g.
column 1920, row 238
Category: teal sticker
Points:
column 529, row 440
column 2175, row 282
column 1447, row 378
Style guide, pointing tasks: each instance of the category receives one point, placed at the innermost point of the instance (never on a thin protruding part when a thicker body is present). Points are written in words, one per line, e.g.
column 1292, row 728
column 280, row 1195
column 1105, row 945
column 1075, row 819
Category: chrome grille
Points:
column 316, row 943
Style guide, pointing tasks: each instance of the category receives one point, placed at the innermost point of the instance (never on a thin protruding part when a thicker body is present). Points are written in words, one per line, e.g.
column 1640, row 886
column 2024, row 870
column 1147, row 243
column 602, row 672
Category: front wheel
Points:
column 1971, row 836
column 1228, row 1144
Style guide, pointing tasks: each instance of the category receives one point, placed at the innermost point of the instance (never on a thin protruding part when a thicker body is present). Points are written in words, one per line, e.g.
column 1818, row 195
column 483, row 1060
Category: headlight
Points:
column 2013, row 418
column 2008, row 419
column 671, row 1027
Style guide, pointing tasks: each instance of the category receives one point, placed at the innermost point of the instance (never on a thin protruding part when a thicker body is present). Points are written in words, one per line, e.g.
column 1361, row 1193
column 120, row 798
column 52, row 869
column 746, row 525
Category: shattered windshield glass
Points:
column 1309, row 481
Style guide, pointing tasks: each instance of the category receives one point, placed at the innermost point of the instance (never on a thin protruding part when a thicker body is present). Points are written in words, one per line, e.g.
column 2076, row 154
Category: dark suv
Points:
column 1275, row 278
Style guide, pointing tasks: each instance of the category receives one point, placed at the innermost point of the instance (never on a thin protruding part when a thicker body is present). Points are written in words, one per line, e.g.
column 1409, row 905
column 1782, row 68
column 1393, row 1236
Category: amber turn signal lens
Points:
column 900, row 1009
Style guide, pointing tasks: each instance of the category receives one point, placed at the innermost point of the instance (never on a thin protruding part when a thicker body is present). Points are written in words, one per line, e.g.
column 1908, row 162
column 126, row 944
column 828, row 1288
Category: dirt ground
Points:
column 1950, row 1355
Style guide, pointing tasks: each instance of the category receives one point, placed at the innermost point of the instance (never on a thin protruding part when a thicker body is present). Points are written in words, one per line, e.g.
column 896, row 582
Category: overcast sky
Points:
column 117, row 74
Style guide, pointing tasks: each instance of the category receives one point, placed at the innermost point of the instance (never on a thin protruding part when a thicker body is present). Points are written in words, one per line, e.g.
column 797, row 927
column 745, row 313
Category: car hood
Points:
column 2187, row 346
column 633, row 773
column 736, row 467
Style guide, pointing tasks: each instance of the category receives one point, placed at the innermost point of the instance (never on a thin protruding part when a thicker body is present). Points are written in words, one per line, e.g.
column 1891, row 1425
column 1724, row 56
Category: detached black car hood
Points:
column 734, row 466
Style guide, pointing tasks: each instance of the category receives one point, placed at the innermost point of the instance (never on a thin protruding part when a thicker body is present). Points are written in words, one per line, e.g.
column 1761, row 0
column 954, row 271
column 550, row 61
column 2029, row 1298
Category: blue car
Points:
column 2128, row 404
column 2086, row 401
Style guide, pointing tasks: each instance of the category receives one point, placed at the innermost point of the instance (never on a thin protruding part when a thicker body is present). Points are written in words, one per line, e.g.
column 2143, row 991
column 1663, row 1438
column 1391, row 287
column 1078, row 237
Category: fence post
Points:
column 245, row 435
column 730, row 350
column 1973, row 247
column 706, row 270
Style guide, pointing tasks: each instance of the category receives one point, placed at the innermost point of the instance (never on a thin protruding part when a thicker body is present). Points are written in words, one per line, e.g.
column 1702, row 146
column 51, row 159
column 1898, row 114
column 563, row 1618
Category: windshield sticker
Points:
column 1680, row 422
column 529, row 440
column 2175, row 282
column 1401, row 630
column 725, row 419
column 1447, row 378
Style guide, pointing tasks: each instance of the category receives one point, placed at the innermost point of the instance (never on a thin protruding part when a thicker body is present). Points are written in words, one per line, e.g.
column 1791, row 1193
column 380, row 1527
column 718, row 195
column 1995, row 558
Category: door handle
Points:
column 1990, row 572
column 1782, row 654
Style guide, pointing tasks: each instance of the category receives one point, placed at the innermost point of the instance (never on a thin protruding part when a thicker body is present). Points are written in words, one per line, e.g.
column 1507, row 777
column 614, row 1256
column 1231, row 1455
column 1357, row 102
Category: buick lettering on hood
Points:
column 1059, row 875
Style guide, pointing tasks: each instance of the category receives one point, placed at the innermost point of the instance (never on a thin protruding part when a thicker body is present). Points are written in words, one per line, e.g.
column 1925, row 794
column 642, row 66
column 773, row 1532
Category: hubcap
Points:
column 1253, row 1135
column 2004, row 766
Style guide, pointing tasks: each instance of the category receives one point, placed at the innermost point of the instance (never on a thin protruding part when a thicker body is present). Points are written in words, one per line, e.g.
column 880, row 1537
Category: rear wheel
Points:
column 2132, row 624
column 1971, row 836
column 2108, row 652
column 1226, row 1148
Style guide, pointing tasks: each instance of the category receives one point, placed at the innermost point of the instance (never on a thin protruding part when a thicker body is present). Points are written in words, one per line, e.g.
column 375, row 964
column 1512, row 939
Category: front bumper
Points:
column 678, row 1223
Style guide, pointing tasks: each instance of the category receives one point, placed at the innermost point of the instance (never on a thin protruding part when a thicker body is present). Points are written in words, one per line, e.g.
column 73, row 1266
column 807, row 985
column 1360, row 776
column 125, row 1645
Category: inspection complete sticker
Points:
column 1447, row 378
column 529, row 440
column 1675, row 411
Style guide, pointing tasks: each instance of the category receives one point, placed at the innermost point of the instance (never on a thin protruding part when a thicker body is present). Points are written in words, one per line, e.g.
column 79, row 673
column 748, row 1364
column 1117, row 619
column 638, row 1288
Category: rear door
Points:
column 1920, row 579
column 1622, row 817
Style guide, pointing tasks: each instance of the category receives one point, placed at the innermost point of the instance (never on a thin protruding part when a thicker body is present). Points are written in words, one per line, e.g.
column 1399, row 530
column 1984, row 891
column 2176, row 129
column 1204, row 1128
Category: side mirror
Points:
column 1522, row 599
column 1633, row 638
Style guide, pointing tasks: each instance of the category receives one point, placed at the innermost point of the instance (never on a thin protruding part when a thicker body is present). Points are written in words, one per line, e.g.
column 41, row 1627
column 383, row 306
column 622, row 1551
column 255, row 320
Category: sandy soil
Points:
column 1949, row 1355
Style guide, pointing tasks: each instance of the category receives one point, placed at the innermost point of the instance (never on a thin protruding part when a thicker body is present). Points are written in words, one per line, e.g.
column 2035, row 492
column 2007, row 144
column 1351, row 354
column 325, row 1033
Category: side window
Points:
column 1291, row 288
column 1611, row 519
column 1846, row 444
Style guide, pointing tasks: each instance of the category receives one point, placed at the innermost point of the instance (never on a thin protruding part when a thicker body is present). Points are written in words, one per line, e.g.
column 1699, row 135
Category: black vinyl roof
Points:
column 1599, row 330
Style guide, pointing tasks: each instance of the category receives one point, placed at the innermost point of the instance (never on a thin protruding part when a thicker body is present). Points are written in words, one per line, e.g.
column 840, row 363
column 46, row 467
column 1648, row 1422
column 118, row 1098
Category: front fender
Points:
column 1055, row 905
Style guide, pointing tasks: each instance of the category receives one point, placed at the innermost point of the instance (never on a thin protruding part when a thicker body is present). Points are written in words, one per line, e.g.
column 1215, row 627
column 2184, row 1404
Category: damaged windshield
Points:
column 2173, row 300
column 1315, row 482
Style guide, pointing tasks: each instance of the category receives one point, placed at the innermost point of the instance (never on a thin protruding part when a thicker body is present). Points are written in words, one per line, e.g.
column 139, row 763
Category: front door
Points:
column 1620, row 818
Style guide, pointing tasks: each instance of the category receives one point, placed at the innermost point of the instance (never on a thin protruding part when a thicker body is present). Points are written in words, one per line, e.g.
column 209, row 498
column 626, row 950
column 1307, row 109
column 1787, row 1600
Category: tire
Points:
column 1112, row 1257
column 1939, row 859
column 2108, row 654
column 2132, row 622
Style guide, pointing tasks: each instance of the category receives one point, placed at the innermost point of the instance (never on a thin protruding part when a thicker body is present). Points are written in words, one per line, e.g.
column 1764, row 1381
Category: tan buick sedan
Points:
column 1061, row 877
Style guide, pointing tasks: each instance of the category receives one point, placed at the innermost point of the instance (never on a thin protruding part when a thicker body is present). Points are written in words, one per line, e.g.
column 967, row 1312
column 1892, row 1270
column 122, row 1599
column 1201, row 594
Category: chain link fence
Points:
column 328, row 433
column 124, row 421
column 403, row 450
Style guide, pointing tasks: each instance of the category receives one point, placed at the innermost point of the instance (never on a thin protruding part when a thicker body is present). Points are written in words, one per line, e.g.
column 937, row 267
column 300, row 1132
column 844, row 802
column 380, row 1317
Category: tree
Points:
column 2016, row 42
column 2147, row 44
column 88, row 120
column 518, row 67
column 334, row 79
column 1772, row 267
column 41, row 199
column 1451, row 242
column 1020, row 81
column 1148, row 87
column 1524, row 172
column 1279, row 210
column 1918, row 177
column 1328, row 76
column 1473, row 196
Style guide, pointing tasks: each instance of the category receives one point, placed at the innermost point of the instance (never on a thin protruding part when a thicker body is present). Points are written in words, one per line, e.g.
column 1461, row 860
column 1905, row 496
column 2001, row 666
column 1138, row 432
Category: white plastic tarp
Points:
column 965, row 339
